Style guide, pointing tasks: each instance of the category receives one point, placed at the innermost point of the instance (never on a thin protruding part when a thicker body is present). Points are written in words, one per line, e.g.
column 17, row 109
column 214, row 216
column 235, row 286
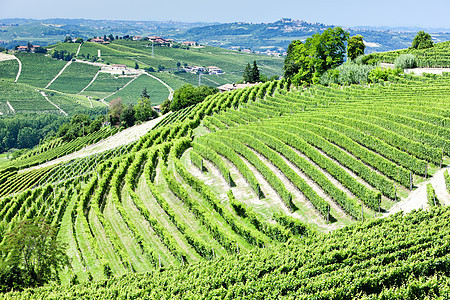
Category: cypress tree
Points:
column 255, row 76
column 247, row 76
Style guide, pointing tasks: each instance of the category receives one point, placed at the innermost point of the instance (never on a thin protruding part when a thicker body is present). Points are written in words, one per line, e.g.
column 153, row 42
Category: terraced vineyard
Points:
column 245, row 171
column 76, row 86
column 436, row 57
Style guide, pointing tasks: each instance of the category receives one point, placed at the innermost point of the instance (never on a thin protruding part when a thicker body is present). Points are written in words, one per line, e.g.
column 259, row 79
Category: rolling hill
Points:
column 74, row 86
column 271, row 191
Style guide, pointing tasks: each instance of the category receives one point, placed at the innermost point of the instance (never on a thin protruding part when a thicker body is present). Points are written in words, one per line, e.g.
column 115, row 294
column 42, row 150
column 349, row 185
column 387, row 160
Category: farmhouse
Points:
column 158, row 40
column 190, row 43
column 137, row 38
column 25, row 48
column 98, row 41
column 233, row 86
column 214, row 70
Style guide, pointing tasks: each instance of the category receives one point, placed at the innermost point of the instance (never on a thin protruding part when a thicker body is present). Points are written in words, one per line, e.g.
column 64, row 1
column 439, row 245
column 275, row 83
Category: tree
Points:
column 422, row 40
column 68, row 39
column 127, row 118
column 255, row 76
column 115, row 110
column 145, row 94
column 355, row 47
column 143, row 111
column 136, row 66
column 79, row 40
column 247, row 75
column 188, row 95
column 31, row 251
column 306, row 62
column 165, row 106
column 111, row 37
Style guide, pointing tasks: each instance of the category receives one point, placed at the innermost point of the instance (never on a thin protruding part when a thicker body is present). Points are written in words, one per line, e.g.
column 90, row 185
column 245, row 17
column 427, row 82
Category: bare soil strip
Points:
column 59, row 108
column 417, row 199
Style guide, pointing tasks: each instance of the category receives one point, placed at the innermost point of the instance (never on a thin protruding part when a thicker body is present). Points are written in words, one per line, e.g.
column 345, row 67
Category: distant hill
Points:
column 276, row 36
column 260, row 37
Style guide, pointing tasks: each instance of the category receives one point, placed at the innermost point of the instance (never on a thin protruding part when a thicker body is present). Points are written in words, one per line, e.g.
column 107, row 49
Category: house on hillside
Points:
column 22, row 48
column 215, row 70
column 25, row 48
column 190, row 43
column 233, row 86
column 137, row 38
column 195, row 69
column 98, row 41
column 159, row 40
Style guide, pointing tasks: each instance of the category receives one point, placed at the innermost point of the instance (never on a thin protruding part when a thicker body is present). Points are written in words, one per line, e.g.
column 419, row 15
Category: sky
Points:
column 427, row 14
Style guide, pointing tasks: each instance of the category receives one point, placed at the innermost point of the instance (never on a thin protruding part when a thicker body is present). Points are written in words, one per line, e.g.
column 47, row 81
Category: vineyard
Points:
column 435, row 57
column 238, row 175
column 76, row 86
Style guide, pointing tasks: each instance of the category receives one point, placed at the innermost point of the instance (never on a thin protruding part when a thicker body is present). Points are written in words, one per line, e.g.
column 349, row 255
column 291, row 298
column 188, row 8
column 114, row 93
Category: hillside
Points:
column 271, row 37
column 90, row 80
column 396, row 258
column 434, row 57
column 247, row 171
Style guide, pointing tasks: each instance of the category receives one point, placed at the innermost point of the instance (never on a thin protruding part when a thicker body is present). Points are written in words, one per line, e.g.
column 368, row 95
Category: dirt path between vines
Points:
column 124, row 137
column 417, row 199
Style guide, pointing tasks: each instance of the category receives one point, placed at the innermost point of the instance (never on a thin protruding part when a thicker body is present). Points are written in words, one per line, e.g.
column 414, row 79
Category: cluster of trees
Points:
column 31, row 255
column 26, row 130
column 63, row 55
column 251, row 73
column 306, row 62
column 127, row 116
column 78, row 40
column 422, row 40
column 79, row 125
column 186, row 96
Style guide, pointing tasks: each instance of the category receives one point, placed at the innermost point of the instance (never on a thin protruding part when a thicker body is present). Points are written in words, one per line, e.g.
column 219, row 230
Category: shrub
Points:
column 346, row 74
column 379, row 74
column 405, row 61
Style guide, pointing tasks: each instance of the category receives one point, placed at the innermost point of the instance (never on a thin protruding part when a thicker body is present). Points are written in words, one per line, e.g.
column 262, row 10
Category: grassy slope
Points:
column 37, row 69
column 9, row 69
column 74, row 78
column 106, row 84
column 130, row 94
column 394, row 258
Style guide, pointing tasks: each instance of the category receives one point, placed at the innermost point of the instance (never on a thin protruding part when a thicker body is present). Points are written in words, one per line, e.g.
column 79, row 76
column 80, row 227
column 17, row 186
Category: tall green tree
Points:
column 422, row 40
column 143, row 111
column 247, row 75
column 32, row 251
column 355, row 47
column 188, row 95
column 306, row 62
column 255, row 75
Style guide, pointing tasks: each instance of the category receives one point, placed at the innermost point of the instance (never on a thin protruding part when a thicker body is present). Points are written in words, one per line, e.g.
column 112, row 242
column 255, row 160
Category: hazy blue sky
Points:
column 431, row 13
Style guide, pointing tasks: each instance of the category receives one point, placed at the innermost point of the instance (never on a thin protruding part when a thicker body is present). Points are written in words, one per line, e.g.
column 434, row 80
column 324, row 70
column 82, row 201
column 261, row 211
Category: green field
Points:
column 23, row 96
column 106, row 84
column 9, row 69
column 37, row 69
column 74, row 78
column 69, row 47
column 131, row 93
column 242, row 173
column 437, row 56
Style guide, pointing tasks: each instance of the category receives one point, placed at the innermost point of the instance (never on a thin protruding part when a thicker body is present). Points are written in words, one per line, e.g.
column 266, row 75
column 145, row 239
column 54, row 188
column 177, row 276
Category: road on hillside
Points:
column 124, row 137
